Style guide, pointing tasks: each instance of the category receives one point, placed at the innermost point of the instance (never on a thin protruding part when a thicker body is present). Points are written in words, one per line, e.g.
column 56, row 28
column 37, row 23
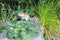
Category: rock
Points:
column 3, row 38
column 37, row 38
column 39, row 25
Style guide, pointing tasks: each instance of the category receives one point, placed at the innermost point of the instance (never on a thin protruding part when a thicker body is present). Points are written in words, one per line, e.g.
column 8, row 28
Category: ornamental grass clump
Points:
column 47, row 11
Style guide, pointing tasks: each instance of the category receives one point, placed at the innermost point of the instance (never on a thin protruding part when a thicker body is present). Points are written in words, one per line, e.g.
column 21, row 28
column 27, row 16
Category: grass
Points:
column 48, row 16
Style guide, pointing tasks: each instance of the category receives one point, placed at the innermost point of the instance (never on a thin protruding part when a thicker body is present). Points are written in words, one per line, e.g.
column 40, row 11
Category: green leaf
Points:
column 16, row 35
column 26, row 36
column 4, row 32
column 10, row 35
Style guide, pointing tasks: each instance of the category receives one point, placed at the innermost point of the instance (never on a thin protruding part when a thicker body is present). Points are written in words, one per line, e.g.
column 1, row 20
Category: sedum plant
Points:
column 22, row 30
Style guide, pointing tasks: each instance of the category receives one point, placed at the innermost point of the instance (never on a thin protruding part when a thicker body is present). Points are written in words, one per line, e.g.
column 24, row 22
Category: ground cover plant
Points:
column 14, row 30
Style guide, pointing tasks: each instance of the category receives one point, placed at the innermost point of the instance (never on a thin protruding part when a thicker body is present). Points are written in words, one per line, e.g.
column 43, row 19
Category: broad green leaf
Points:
column 4, row 32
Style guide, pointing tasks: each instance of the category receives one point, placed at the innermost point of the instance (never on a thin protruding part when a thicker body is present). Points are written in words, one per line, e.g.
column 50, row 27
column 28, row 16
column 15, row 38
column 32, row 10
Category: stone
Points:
column 39, row 25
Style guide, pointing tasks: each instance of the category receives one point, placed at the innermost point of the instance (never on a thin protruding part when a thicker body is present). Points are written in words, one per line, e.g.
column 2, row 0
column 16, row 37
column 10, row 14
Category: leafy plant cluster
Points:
column 11, row 28
column 20, row 31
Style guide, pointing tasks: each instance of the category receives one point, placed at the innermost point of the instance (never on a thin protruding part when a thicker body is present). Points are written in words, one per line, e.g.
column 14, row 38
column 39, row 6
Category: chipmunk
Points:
column 23, row 16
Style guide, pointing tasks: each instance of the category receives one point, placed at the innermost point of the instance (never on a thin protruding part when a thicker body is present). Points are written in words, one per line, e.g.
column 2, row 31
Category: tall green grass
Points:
column 48, row 16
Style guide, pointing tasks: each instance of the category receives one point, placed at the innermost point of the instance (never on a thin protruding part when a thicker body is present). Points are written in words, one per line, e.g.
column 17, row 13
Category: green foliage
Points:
column 3, row 12
column 48, row 12
column 48, row 16
column 22, row 30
